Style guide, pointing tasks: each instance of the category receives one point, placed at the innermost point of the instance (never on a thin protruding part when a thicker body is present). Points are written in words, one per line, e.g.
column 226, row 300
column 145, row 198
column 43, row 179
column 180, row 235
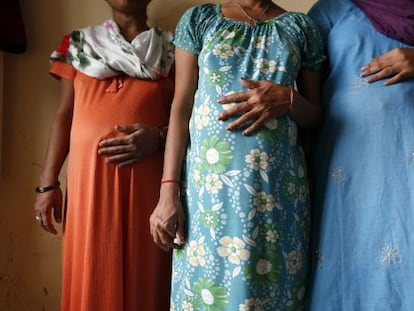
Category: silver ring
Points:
column 38, row 218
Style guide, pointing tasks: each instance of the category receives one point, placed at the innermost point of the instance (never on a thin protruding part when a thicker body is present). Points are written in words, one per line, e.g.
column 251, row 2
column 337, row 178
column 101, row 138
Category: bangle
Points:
column 291, row 99
column 47, row 188
column 170, row 181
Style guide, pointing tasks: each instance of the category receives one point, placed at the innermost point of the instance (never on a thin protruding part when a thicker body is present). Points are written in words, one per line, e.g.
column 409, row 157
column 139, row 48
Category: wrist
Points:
column 170, row 190
column 49, row 187
column 170, row 181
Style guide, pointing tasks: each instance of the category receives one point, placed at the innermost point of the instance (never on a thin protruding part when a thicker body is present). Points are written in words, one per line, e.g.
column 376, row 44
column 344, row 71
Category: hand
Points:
column 139, row 141
column 264, row 100
column 45, row 203
column 397, row 64
column 167, row 222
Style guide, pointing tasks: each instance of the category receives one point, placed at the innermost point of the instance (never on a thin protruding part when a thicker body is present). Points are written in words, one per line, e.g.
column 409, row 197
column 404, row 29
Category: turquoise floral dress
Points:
column 247, row 198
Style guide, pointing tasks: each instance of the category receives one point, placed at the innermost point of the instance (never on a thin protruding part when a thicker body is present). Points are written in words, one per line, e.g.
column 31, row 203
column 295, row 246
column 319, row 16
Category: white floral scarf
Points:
column 101, row 52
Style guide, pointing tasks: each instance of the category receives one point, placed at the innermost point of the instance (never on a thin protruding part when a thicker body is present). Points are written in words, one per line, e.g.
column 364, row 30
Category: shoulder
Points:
column 300, row 19
column 330, row 10
column 198, row 19
column 203, row 8
column 299, row 24
column 201, row 12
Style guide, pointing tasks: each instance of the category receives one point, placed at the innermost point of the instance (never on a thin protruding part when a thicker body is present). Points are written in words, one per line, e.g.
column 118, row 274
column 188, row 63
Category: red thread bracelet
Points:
column 170, row 181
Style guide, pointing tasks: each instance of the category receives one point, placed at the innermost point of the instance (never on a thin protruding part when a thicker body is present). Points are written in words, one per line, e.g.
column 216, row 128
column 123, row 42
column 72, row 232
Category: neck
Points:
column 131, row 25
column 254, row 4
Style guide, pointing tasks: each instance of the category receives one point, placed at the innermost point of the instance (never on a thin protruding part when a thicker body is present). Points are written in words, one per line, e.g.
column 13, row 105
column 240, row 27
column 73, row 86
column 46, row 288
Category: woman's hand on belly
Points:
column 396, row 65
column 138, row 142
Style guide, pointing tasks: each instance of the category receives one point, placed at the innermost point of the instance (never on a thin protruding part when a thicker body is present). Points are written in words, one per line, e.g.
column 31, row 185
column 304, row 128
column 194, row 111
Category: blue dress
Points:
column 247, row 198
column 364, row 168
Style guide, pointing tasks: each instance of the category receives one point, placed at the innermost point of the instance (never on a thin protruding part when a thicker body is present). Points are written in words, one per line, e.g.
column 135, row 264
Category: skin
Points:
column 395, row 66
column 263, row 99
column 168, row 219
column 138, row 141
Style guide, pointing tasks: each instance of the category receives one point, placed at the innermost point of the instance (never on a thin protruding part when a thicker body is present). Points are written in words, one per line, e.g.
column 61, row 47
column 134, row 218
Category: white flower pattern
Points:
column 238, row 185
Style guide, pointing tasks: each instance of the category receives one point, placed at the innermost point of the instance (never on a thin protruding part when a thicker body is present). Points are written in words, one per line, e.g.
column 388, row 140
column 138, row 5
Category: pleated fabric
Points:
column 110, row 262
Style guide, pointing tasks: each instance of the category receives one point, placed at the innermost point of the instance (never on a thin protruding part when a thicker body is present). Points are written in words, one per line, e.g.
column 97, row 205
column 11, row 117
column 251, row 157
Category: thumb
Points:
column 250, row 84
column 179, row 234
column 57, row 210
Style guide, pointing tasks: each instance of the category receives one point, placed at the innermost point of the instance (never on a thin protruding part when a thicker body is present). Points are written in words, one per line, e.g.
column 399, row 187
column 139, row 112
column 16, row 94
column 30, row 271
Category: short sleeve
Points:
column 325, row 13
column 63, row 70
column 312, row 46
column 192, row 26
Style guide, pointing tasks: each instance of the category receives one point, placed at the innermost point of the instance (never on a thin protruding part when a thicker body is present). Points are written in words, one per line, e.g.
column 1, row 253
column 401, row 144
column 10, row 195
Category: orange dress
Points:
column 110, row 262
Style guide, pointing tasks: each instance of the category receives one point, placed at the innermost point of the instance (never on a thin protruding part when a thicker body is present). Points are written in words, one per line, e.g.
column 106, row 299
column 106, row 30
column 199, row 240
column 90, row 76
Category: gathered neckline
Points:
column 265, row 21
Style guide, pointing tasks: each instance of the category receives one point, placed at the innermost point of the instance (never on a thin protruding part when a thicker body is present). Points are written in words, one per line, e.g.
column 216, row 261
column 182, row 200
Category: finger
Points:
column 397, row 78
column 234, row 97
column 250, row 84
column 241, row 95
column 180, row 231
column 368, row 70
column 384, row 73
column 248, row 116
column 130, row 161
column 46, row 223
column 43, row 221
column 110, row 142
column 168, row 229
column 129, row 128
column 154, row 231
column 255, row 125
column 165, row 239
column 158, row 241
column 373, row 67
column 226, row 114
column 38, row 219
column 49, row 224
column 116, row 150
column 57, row 210
column 121, row 158
column 236, row 110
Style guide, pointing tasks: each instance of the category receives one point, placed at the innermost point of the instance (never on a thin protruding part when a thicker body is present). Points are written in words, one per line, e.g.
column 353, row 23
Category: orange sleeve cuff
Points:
column 62, row 70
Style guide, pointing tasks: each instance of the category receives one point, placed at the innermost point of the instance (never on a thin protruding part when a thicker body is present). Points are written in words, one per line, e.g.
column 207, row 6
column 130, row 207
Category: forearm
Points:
column 176, row 144
column 305, row 107
column 307, row 115
column 57, row 150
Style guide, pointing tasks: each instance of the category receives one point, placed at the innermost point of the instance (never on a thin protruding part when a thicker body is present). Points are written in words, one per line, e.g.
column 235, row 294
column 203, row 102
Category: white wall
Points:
column 29, row 257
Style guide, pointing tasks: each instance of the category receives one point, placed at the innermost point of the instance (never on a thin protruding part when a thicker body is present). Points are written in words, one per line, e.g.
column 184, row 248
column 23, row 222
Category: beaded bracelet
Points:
column 47, row 188
column 170, row 181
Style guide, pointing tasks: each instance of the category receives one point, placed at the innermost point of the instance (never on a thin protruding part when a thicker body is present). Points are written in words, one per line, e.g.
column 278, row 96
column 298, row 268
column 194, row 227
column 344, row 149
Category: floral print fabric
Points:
column 100, row 51
column 247, row 198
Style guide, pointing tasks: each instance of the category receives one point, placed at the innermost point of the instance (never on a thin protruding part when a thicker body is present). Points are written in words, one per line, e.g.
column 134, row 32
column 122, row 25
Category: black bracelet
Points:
column 47, row 188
